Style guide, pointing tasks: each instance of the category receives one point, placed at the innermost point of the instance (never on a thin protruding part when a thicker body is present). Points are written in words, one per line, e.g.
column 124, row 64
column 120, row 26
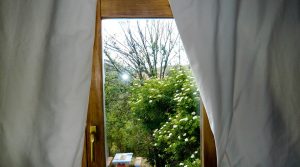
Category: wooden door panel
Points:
column 209, row 156
column 95, row 115
column 125, row 9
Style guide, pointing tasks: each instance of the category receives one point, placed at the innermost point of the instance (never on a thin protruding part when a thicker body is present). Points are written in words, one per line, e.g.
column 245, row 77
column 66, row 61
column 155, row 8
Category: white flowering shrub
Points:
column 177, row 141
column 169, row 109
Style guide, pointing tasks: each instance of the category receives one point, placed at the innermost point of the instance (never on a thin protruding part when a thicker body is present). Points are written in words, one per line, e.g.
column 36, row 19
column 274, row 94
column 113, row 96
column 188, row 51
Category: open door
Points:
column 94, row 146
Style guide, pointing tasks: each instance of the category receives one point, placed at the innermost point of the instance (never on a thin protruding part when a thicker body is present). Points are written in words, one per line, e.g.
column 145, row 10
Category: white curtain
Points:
column 246, row 57
column 45, row 67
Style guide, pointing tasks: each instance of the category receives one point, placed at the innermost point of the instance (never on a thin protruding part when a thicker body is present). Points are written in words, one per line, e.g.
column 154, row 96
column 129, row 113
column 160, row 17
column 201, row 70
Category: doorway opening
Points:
column 152, row 105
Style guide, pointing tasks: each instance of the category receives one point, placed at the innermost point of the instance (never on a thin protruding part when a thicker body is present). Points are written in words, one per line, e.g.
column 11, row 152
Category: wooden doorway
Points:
column 94, row 148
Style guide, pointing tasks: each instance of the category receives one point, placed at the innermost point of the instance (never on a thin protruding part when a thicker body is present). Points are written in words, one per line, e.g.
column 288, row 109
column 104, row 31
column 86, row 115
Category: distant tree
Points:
column 125, row 132
column 144, row 50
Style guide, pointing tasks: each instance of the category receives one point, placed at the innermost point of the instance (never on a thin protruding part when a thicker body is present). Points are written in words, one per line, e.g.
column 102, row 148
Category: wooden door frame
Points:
column 127, row 9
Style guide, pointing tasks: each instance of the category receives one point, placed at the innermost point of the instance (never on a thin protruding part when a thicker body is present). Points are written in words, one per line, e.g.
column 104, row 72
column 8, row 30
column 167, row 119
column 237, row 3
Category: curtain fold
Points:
column 246, row 58
column 45, row 70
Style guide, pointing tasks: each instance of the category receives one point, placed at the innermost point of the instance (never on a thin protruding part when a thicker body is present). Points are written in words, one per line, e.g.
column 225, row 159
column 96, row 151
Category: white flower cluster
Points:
column 183, row 119
column 182, row 164
column 195, row 117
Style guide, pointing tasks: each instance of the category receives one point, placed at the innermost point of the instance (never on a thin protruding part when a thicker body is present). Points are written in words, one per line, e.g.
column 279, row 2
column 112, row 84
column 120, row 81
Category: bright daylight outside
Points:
column 152, row 103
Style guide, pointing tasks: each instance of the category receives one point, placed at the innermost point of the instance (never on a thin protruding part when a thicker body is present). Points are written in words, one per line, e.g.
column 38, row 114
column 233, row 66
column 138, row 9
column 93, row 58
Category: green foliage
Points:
column 191, row 162
column 153, row 100
column 116, row 92
column 177, row 140
column 168, row 109
column 125, row 132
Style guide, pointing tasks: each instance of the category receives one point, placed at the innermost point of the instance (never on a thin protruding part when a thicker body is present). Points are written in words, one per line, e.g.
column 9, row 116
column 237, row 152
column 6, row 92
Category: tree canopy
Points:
column 144, row 50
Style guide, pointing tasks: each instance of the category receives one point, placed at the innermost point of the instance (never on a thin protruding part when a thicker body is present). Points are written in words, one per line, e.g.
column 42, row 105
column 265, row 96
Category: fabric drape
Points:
column 45, row 69
column 245, row 55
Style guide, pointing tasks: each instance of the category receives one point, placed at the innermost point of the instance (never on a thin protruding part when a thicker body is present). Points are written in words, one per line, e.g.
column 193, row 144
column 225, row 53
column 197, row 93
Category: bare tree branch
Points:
column 144, row 51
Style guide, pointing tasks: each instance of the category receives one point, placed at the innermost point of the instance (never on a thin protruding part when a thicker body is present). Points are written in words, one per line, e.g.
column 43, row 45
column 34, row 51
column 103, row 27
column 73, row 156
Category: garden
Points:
column 152, row 104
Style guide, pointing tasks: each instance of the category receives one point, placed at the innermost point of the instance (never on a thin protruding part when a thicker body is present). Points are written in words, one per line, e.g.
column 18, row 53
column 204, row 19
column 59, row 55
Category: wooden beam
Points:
column 96, row 108
column 84, row 154
column 135, row 9
column 209, row 156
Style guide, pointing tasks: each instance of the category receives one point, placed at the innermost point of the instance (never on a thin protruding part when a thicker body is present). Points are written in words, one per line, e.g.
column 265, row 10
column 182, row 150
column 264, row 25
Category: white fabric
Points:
column 45, row 67
column 246, row 58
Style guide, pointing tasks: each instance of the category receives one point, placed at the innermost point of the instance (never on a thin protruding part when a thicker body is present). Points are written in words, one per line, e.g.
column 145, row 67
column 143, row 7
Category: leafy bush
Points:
column 125, row 133
column 192, row 162
column 168, row 108
column 151, row 101
column 178, row 139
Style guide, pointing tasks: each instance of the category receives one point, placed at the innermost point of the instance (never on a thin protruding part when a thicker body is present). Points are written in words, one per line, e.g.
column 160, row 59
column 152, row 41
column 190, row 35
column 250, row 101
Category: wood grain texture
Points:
column 135, row 9
column 209, row 156
column 96, row 109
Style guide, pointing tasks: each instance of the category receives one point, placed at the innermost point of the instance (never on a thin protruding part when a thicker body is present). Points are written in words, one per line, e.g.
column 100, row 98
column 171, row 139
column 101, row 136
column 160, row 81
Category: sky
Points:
column 113, row 27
